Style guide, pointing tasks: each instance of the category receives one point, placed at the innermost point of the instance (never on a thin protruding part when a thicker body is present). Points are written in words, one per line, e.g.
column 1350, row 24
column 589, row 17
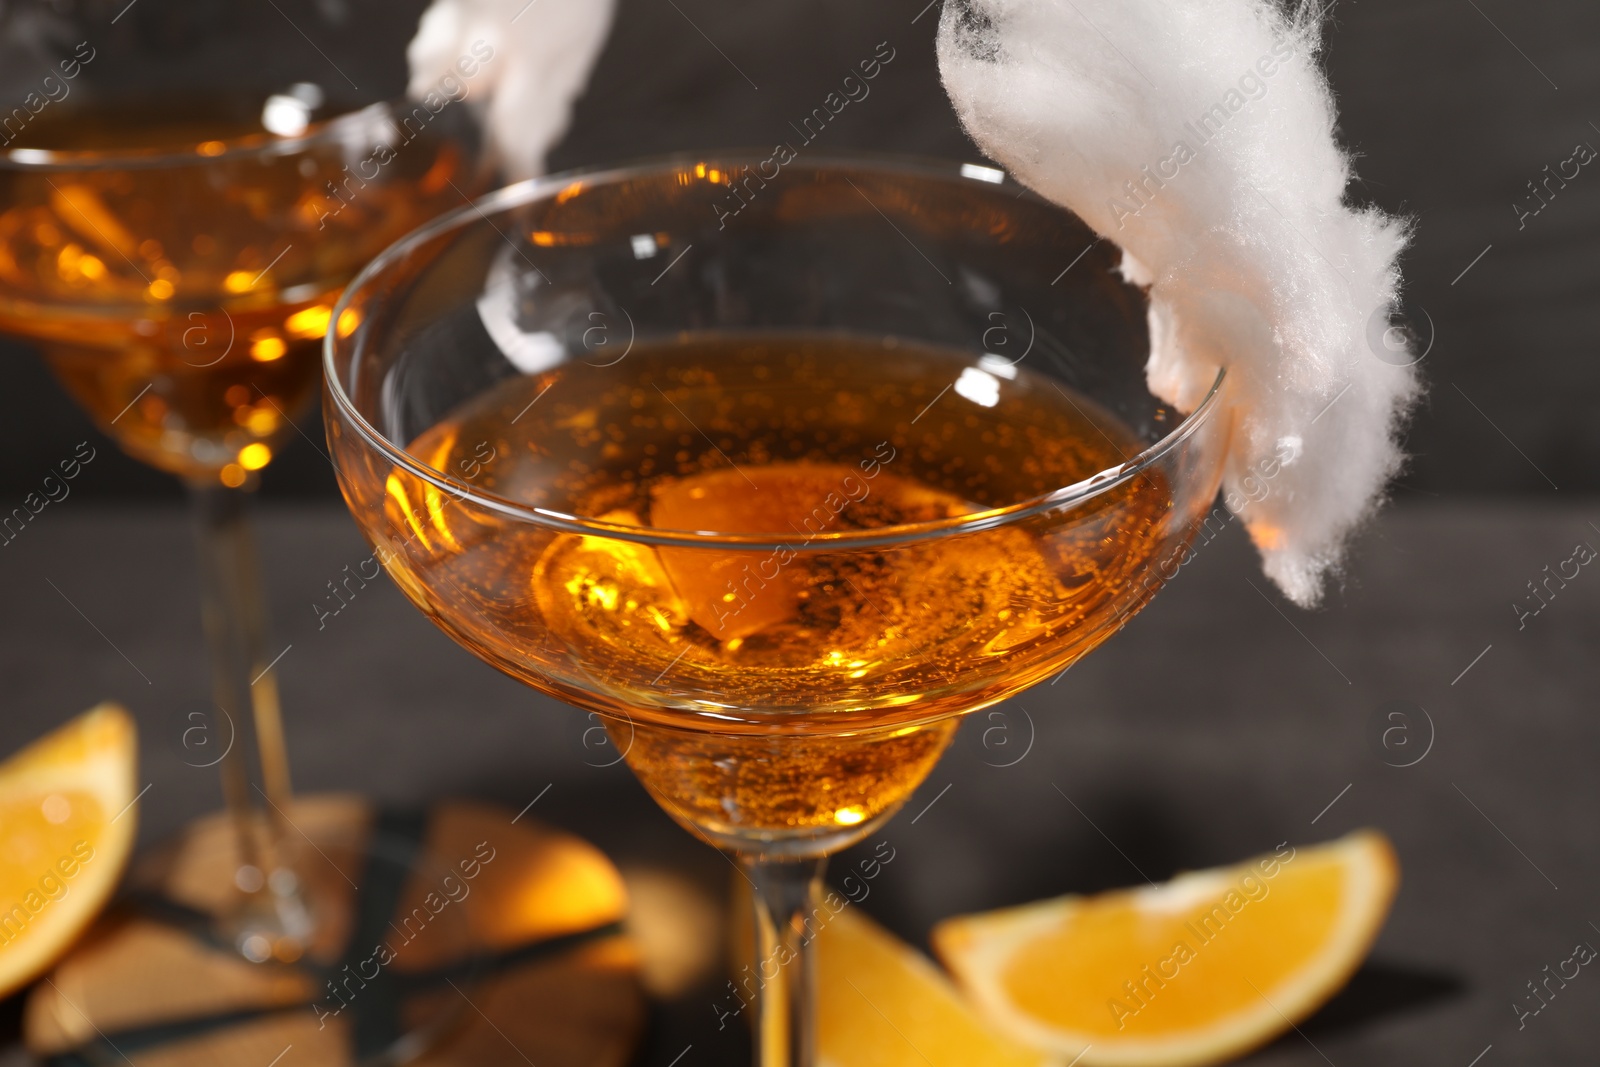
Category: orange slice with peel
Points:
column 1196, row 971
column 66, row 829
column 881, row 1003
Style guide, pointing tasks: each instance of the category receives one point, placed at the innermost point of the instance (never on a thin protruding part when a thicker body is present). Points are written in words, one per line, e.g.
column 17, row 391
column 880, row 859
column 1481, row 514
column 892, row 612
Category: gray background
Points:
column 1450, row 119
column 1221, row 722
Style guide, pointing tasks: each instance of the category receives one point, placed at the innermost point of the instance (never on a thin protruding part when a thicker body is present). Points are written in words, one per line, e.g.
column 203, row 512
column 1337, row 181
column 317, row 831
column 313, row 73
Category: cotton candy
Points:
column 1199, row 136
column 541, row 52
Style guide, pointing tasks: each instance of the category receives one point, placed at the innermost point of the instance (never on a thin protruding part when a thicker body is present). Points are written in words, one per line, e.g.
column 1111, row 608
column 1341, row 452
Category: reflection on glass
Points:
column 781, row 498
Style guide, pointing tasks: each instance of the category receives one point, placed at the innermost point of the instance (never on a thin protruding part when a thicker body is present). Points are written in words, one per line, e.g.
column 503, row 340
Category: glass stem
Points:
column 786, row 895
column 257, row 792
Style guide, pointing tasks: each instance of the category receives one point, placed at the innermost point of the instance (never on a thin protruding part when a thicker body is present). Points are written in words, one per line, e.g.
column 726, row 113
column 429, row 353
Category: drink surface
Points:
column 802, row 683
column 183, row 302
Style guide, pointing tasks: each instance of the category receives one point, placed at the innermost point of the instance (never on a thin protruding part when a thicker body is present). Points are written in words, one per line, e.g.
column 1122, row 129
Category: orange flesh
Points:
column 1205, row 961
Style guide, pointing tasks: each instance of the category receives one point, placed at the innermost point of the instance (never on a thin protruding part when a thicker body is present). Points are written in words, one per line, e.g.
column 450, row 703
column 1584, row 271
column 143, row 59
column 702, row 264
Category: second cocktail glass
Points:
column 176, row 222
column 779, row 468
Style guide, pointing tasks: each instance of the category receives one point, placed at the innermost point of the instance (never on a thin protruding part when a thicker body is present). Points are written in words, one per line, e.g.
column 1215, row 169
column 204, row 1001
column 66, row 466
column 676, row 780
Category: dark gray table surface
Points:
column 1219, row 723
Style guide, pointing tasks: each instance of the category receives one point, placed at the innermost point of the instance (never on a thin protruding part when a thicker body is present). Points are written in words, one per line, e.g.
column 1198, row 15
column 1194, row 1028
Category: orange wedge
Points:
column 883, row 1004
column 1196, row 971
column 66, row 829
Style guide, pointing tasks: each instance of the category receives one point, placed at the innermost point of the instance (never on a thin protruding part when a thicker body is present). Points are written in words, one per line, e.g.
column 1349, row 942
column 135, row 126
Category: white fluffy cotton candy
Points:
column 1199, row 136
column 540, row 54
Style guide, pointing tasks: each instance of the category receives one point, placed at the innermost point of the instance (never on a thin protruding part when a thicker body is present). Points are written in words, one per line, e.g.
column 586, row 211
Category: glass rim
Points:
column 248, row 144
column 532, row 190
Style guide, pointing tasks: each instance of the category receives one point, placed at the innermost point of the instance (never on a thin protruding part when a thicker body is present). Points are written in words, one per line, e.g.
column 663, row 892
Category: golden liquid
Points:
column 183, row 305
column 791, row 689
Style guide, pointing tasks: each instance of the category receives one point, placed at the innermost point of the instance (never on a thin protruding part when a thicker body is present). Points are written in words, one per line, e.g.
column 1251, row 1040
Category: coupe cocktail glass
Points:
column 180, row 203
column 779, row 469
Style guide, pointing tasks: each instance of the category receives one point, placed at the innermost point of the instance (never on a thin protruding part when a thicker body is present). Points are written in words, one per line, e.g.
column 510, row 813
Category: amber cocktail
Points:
column 781, row 497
